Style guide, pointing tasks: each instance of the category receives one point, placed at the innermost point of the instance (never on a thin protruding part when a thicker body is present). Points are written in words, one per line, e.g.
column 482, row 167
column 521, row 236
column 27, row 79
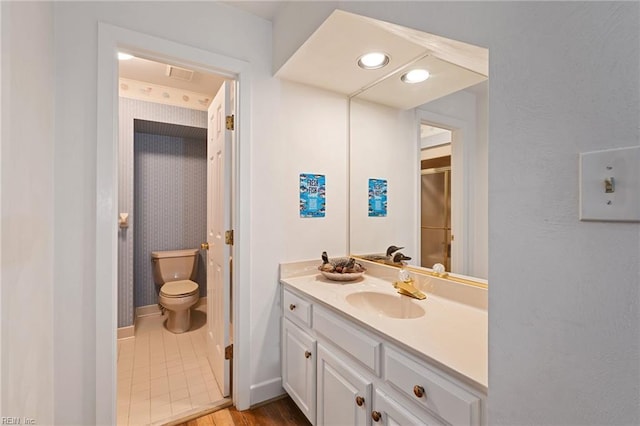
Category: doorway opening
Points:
column 113, row 39
column 174, row 179
column 435, row 196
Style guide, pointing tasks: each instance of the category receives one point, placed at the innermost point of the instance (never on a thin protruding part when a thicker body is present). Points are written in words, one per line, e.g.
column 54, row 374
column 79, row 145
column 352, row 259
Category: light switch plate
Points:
column 610, row 185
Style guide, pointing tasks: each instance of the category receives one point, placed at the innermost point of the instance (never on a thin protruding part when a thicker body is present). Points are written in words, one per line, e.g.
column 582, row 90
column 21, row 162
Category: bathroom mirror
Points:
column 427, row 143
column 426, row 194
column 385, row 116
column 436, row 185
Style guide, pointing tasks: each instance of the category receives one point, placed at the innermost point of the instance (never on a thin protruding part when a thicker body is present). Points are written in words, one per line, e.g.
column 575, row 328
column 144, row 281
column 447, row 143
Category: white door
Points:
column 218, row 222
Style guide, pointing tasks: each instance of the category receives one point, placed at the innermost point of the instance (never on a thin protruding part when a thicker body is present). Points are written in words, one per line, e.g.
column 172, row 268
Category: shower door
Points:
column 435, row 217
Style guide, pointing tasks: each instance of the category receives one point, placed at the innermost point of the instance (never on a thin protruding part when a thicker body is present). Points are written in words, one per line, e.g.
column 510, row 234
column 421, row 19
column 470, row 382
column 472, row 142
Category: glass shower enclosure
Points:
column 435, row 217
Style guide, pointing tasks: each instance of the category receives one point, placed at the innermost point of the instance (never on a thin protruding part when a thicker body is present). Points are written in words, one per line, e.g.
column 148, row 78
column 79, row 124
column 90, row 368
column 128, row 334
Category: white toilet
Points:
column 173, row 272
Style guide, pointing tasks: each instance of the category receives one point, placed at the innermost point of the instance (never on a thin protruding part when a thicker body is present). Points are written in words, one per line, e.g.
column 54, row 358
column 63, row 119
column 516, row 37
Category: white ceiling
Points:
column 426, row 131
column 328, row 60
column 445, row 78
column 154, row 72
column 264, row 9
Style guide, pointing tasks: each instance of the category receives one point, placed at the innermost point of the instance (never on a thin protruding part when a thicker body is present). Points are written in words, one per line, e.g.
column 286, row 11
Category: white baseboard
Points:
column 144, row 311
column 126, row 332
column 266, row 390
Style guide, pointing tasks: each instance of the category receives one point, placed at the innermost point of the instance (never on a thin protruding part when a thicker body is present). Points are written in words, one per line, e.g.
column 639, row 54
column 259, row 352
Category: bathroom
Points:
column 163, row 367
column 565, row 81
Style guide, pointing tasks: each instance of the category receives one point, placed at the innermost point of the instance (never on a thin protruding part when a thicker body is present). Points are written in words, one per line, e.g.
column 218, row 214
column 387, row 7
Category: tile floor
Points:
column 161, row 374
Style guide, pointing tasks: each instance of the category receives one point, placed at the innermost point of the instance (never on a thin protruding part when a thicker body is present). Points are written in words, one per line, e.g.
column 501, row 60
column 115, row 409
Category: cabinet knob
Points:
column 418, row 391
column 376, row 416
column 359, row 401
column 307, row 354
column 292, row 307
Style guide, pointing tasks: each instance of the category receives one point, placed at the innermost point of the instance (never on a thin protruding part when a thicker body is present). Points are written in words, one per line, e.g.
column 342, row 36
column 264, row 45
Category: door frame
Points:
column 461, row 169
column 110, row 40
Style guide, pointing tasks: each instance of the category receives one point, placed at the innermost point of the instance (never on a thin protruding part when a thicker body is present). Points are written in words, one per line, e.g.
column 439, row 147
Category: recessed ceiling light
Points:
column 415, row 76
column 124, row 56
column 373, row 60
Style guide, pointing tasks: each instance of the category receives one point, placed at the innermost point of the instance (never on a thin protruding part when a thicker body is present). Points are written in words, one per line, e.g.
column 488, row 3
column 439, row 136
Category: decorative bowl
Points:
column 339, row 262
column 337, row 276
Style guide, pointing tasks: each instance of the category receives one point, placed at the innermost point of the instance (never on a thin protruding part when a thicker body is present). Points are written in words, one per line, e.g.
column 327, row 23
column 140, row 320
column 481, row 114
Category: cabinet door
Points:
column 298, row 368
column 386, row 411
column 344, row 396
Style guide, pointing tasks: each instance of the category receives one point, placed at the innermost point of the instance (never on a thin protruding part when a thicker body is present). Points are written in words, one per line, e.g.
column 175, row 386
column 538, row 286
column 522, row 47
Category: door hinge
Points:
column 228, row 237
column 228, row 352
column 231, row 122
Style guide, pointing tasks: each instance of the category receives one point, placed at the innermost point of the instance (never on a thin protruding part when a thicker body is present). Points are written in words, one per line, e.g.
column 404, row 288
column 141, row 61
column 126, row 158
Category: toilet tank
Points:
column 174, row 265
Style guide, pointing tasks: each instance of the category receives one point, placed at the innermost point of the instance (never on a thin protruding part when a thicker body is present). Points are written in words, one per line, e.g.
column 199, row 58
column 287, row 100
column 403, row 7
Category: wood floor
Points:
column 280, row 412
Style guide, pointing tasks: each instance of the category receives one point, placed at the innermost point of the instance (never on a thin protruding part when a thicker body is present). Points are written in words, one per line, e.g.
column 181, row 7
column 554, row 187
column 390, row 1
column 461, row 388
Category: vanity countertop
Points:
column 450, row 333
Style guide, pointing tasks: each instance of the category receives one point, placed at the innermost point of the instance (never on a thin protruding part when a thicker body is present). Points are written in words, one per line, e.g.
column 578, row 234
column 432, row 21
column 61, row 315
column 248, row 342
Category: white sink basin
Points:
column 386, row 305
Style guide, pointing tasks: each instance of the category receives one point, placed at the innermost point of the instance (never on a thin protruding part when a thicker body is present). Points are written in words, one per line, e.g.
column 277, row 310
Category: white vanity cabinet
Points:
column 343, row 394
column 339, row 372
column 347, row 397
column 299, row 354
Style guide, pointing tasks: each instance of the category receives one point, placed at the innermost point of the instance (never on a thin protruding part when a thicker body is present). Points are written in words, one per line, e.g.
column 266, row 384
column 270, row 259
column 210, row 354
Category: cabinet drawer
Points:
column 393, row 413
column 440, row 396
column 348, row 338
column 296, row 309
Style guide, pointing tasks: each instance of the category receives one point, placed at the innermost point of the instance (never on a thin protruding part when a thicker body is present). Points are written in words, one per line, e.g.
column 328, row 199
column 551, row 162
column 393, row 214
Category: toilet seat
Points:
column 182, row 288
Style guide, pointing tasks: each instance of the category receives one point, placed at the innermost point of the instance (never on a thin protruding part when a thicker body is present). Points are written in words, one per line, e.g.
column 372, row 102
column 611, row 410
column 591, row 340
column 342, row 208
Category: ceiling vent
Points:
column 179, row 73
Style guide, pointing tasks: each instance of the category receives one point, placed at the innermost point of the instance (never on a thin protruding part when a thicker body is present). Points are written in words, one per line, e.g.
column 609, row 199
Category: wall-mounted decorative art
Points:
column 312, row 195
column 377, row 197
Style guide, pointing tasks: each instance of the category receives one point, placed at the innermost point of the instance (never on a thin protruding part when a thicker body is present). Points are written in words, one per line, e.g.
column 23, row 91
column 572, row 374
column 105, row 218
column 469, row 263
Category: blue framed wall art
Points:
column 312, row 195
column 377, row 197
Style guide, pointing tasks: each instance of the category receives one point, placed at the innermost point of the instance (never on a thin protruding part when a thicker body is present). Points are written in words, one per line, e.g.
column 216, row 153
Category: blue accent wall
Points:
column 170, row 201
column 150, row 118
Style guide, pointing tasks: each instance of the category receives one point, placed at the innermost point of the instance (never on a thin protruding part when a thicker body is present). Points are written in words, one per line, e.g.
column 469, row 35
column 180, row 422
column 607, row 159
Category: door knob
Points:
column 204, row 246
column 376, row 416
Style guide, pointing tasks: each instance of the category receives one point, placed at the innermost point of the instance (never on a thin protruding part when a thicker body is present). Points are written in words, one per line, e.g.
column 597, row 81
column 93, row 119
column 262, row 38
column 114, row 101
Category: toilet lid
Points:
column 178, row 288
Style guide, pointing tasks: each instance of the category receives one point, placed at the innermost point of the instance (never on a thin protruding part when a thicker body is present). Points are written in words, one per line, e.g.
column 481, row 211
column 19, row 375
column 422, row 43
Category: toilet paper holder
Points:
column 123, row 220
